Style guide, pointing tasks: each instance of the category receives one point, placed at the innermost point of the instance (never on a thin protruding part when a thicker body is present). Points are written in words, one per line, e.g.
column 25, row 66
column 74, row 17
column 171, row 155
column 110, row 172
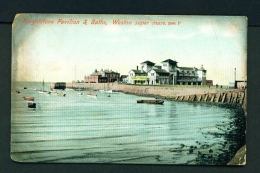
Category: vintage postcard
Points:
column 132, row 89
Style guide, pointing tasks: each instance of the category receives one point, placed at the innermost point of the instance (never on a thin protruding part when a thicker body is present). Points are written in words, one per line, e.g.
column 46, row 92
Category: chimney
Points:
column 136, row 67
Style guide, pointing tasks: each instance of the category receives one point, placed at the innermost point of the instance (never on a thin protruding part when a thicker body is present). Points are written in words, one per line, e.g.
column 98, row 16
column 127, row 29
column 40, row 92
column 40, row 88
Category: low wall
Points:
column 232, row 97
column 178, row 93
column 146, row 90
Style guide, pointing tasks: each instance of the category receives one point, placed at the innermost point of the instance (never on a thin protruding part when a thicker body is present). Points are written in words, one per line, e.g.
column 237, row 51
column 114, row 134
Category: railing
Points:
column 187, row 86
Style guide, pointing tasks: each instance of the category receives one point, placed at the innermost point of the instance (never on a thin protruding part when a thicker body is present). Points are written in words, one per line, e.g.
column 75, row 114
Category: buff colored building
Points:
column 102, row 76
column 168, row 73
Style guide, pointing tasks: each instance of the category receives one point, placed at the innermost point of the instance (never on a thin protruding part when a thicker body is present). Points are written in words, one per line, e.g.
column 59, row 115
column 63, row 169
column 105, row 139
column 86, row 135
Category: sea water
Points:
column 81, row 129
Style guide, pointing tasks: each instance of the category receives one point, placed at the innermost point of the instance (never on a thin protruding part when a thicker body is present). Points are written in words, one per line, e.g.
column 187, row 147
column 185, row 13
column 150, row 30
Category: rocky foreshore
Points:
column 235, row 152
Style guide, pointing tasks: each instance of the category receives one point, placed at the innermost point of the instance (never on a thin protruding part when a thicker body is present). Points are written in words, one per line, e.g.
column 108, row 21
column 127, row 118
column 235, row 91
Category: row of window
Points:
column 111, row 75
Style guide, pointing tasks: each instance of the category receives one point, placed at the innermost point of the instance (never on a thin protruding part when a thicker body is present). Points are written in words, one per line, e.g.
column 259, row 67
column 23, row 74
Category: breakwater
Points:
column 153, row 90
column 231, row 97
column 177, row 93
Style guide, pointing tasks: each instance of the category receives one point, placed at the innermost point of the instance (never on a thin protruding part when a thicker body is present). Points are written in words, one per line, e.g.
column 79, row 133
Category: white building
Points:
column 137, row 77
column 167, row 74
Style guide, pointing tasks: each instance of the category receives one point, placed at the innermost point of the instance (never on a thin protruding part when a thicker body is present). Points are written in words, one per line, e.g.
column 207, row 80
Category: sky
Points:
column 57, row 52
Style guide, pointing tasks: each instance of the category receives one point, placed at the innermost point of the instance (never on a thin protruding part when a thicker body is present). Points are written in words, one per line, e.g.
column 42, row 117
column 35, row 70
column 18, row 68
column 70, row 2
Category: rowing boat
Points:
column 151, row 101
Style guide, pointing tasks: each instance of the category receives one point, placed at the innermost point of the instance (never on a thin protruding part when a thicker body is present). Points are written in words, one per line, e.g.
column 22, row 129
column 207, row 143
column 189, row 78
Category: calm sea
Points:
column 115, row 129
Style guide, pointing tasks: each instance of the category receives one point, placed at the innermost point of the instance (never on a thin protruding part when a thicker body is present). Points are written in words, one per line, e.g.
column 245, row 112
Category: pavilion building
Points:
column 168, row 73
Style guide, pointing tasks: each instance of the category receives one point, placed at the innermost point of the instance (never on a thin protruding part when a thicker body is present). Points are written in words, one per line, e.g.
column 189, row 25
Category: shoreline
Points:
column 235, row 154
column 172, row 94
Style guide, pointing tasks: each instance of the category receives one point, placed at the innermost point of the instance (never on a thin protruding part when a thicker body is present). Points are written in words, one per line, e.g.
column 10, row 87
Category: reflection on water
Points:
column 116, row 129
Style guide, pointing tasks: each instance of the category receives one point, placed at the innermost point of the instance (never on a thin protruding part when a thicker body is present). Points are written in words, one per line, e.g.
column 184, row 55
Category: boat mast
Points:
column 43, row 85
column 74, row 75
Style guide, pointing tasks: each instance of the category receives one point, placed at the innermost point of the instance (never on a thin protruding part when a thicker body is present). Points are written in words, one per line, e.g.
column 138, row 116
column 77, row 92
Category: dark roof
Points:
column 201, row 68
column 148, row 63
column 158, row 66
column 187, row 68
column 138, row 71
column 124, row 75
column 95, row 73
column 109, row 71
column 170, row 61
column 160, row 71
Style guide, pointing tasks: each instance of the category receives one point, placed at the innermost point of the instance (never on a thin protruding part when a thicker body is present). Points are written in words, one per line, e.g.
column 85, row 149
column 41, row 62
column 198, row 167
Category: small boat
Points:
column 69, row 89
column 28, row 98
column 53, row 91
column 31, row 105
column 151, row 101
column 25, row 88
column 61, row 94
column 80, row 94
column 108, row 91
column 42, row 91
column 92, row 95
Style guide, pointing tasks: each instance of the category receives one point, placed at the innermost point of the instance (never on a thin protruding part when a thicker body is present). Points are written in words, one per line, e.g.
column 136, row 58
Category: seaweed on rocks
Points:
column 234, row 135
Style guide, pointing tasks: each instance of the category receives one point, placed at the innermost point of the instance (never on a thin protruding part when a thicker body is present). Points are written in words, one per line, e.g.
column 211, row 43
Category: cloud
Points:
column 206, row 29
column 113, row 40
column 52, row 66
column 112, row 28
column 136, row 30
column 232, row 30
column 175, row 36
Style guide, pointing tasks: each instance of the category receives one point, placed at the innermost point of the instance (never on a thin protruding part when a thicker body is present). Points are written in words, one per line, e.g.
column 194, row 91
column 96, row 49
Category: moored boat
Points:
column 42, row 91
column 92, row 95
column 61, row 94
column 151, row 101
column 53, row 91
column 28, row 98
column 69, row 89
column 108, row 91
column 31, row 105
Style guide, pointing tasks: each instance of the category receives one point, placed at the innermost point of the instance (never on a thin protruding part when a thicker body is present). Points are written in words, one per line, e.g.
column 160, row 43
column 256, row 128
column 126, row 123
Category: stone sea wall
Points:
column 177, row 93
column 196, row 94
column 169, row 91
